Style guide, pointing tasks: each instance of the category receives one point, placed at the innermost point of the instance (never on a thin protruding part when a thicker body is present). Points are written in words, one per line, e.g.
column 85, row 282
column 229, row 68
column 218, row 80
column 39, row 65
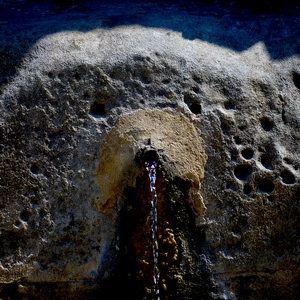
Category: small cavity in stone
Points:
column 77, row 76
column 288, row 160
column 193, row 104
column 266, row 162
column 242, row 172
column 195, row 108
column 17, row 224
column 229, row 105
column 243, row 126
column 247, row 153
column 296, row 80
column 266, row 123
column 266, row 186
column 196, row 89
column 237, row 140
column 166, row 81
column 98, row 109
column 24, row 216
column 34, row 169
column 247, row 189
column 287, row 177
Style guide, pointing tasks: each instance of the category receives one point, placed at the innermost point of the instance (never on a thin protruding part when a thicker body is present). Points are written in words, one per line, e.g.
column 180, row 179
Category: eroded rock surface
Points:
column 73, row 91
column 170, row 133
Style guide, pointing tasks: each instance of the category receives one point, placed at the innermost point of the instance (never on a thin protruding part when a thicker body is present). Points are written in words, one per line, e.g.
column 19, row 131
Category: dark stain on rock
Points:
column 183, row 274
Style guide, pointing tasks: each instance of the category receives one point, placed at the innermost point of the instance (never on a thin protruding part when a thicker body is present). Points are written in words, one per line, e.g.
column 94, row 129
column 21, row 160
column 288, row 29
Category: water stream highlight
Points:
column 151, row 167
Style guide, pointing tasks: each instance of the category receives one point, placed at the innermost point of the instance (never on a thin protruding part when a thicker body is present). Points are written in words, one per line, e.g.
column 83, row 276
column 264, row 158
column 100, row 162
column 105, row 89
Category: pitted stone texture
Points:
column 70, row 91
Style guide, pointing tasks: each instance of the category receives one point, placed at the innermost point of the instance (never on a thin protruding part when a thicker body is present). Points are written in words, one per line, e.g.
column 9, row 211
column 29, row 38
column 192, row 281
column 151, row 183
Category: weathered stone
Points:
column 81, row 106
column 171, row 134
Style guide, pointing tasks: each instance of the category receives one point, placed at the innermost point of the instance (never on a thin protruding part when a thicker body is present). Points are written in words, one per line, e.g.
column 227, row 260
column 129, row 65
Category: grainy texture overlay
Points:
column 214, row 88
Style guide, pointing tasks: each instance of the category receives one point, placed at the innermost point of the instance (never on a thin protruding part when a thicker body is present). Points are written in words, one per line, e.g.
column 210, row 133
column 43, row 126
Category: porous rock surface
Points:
column 59, row 108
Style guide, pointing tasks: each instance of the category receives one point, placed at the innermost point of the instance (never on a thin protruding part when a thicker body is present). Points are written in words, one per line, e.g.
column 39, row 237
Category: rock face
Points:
column 226, row 124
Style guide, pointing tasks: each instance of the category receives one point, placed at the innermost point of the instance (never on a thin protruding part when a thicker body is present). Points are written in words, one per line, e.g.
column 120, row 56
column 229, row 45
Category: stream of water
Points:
column 151, row 168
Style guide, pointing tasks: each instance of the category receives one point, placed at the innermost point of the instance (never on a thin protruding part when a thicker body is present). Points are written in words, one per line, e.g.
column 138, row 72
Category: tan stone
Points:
column 170, row 133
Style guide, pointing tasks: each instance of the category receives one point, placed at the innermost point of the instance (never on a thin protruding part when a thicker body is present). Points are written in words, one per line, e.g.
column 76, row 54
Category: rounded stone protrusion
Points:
column 174, row 137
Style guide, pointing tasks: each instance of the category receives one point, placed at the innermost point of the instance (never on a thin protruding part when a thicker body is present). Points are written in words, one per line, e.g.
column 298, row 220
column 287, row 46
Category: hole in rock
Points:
column 247, row 153
column 150, row 156
column 98, row 109
column 266, row 186
column 193, row 104
column 51, row 75
column 242, row 172
column 271, row 198
column 287, row 177
column 17, row 224
column 266, row 123
column 237, row 140
column 242, row 126
column 195, row 108
column 34, row 169
column 166, row 81
column 24, row 216
column 266, row 161
column 197, row 79
column 77, row 76
column 229, row 105
column 247, row 189
column 296, row 80
column 288, row 160
column 195, row 89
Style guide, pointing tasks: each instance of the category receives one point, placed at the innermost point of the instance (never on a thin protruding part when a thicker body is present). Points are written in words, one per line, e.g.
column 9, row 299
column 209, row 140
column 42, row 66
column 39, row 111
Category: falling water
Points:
column 151, row 168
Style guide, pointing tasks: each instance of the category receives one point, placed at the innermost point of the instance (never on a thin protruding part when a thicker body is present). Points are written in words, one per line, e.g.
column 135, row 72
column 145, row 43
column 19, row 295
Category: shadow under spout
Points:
column 182, row 272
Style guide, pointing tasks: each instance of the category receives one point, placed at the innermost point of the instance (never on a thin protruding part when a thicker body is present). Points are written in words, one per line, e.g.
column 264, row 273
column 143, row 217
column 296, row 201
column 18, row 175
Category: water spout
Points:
column 156, row 196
